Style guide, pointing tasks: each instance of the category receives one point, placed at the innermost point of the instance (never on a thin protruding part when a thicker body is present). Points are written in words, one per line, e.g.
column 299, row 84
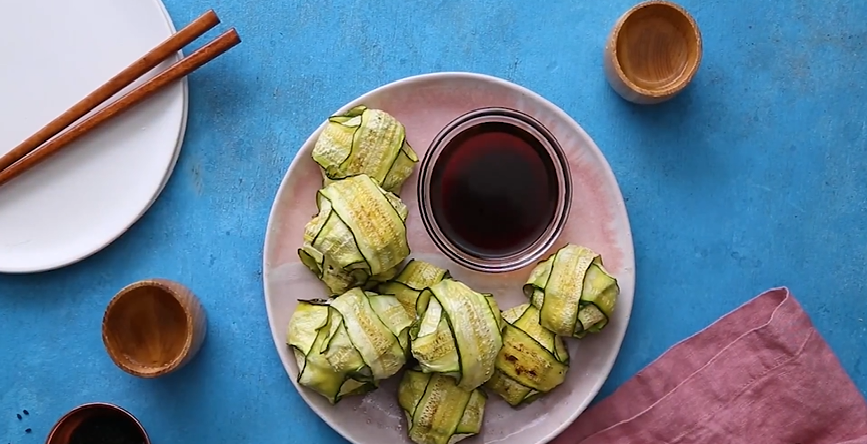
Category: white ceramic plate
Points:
column 54, row 53
column 425, row 104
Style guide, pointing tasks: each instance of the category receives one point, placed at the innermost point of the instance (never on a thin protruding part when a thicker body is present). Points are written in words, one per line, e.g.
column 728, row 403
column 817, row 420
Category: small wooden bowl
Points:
column 653, row 52
column 62, row 431
column 153, row 327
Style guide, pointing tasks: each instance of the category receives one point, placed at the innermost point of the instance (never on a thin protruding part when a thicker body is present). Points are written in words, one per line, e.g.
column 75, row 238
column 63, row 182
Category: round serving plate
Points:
column 425, row 104
column 79, row 201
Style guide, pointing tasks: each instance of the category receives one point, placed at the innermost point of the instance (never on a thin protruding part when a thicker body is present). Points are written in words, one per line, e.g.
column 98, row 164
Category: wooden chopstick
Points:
column 178, row 70
column 120, row 81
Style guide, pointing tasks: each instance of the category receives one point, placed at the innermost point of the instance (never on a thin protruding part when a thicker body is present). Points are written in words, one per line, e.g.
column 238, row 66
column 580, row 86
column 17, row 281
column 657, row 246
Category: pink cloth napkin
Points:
column 762, row 374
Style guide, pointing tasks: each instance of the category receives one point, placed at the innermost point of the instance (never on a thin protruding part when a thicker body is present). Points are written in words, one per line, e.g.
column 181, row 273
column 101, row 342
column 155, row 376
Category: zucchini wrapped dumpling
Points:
column 307, row 335
column 348, row 344
column 411, row 281
column 365, row 141
column 359, row 234
column 457, row 332
column 573, row 292
column 437, row 410
column 533, row 360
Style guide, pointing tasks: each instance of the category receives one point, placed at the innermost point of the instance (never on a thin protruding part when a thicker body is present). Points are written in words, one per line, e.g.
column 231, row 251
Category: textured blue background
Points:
column 755, row 176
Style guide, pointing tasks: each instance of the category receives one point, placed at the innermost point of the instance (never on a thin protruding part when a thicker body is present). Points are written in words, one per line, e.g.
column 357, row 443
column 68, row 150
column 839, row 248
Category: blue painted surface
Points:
column 756, row 176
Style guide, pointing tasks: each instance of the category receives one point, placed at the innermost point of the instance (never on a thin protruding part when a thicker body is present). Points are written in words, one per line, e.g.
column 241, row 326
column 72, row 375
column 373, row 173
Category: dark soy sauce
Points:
column 107, row 428
column 493, row 190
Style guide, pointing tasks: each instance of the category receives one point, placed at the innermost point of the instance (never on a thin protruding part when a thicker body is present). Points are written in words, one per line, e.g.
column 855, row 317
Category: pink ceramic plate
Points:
column 425, row 104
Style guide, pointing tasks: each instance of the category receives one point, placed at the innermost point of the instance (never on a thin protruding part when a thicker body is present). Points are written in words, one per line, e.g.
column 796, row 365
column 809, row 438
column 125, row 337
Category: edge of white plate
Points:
column 168, row 174
column 608, row 173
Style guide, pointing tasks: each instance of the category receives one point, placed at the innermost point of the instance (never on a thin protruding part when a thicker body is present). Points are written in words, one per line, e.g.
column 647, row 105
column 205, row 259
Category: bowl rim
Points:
column 691, row 69
column 96, row 406
column 529, row 254
column 175, row 362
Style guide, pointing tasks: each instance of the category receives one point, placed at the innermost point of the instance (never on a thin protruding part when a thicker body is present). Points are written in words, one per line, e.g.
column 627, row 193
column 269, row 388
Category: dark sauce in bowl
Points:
column 108, row 428
column 493, row 189
column 97, row 423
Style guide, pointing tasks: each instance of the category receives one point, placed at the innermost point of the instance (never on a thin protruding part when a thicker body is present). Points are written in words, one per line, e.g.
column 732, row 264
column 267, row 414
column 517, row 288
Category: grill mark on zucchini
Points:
column 528, row 365
column 530, row 369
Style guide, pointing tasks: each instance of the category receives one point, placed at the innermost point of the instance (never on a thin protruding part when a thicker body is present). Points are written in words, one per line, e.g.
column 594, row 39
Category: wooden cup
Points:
column 62, row 431
column 653, row 52
column 153, row 327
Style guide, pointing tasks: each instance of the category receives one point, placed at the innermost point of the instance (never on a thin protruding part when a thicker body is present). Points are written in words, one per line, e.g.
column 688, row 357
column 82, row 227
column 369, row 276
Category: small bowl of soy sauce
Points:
column 98, row 423
column 494, row 190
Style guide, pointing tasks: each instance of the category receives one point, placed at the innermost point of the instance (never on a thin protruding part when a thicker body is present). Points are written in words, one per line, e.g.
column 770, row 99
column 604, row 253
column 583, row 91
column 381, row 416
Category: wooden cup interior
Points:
column 146, row 330
column 658, row 47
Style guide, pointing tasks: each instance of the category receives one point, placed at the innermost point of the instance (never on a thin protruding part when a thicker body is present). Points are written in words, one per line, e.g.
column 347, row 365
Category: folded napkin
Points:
column 762, row 374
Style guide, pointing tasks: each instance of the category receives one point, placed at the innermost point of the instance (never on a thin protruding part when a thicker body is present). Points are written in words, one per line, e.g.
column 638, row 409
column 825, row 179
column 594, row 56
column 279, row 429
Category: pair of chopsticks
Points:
column 40, row 146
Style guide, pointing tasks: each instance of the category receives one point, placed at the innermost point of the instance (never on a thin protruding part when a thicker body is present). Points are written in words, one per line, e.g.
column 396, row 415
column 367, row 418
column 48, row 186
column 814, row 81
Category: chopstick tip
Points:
column 210, row 16
column 232, row 34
